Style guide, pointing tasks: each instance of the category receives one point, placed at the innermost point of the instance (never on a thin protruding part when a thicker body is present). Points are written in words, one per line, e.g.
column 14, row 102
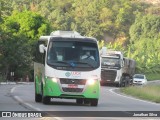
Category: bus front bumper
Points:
column 54, row 89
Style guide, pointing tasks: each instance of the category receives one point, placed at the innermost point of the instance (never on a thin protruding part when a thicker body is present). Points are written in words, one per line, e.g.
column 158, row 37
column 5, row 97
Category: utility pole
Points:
column 12, row 76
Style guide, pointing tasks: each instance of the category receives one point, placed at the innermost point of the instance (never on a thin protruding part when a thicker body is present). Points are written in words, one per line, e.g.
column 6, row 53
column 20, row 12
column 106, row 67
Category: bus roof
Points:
column 44, row 38
column 64, row 34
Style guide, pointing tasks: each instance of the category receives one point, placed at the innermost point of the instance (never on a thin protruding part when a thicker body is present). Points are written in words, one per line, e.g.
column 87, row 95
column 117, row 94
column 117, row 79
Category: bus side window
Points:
column 52, row 55
column 40, row 57
column 43, row 57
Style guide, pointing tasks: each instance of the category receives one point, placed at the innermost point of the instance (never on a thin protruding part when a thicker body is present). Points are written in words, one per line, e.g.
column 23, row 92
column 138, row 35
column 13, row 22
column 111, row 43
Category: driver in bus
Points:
column 87, row 55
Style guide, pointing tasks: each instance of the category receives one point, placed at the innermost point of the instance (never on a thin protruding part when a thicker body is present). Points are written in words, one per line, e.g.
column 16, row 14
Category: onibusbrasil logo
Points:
column 68, row 74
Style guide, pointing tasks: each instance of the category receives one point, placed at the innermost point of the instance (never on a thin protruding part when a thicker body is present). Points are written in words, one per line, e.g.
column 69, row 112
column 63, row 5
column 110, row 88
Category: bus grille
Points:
column 108, row 75
column 72, row 81
column 72, row 89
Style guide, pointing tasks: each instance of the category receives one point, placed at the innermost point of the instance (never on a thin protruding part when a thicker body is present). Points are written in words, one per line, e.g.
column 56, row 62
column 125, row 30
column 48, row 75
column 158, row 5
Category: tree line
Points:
column 128, row 25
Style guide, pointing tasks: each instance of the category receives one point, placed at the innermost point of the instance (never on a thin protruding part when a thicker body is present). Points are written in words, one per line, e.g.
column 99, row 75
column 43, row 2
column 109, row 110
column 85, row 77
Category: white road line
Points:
column 58, row 118
column 12, row 89
column 26, row 104
column 29, row 105
column 112, row 91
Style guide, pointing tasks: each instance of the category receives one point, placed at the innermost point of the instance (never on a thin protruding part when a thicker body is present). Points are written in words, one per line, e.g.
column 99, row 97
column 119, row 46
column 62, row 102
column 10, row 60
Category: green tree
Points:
column 19, row 33
column 5, row 8
column 15, row 53
column 145, row 43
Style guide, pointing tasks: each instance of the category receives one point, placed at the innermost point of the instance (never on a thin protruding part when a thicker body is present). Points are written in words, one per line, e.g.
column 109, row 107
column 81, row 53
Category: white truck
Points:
column 116, row 69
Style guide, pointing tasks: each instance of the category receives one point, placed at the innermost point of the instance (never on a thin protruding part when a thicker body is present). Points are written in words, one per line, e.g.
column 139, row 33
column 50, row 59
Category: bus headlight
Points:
column 53, row 79
column 91, row 81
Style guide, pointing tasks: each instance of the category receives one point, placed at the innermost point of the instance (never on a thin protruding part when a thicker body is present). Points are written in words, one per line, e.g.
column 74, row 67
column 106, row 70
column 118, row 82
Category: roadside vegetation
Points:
column 1, row 78
column 153, row 76
column 149, row 92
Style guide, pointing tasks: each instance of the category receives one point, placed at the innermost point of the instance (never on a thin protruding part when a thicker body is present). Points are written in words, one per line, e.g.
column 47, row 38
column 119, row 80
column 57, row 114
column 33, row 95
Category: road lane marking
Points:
column 13, row 89
column 50, row 118
column 130, row 97
column 31, row 106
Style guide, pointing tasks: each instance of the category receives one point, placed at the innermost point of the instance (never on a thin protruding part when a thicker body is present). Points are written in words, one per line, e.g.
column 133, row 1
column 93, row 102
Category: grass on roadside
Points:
column 151, row 93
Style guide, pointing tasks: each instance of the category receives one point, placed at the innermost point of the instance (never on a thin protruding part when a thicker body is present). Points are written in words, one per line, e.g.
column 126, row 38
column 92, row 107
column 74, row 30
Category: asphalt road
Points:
column 21, row 98
column 9, row 103
column 6, row 100
column 109, row 101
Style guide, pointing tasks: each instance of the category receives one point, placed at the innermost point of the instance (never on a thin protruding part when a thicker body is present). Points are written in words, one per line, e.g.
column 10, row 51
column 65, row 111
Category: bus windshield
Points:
column 73, row 54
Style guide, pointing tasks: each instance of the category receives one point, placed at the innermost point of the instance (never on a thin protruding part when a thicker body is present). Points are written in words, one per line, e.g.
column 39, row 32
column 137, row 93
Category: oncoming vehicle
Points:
column 59, row 71
column 116, row 69
column 139, row 79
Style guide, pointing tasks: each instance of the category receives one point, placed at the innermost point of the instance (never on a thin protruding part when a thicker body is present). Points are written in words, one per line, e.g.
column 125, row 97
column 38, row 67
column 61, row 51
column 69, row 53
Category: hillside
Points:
column 153, row 1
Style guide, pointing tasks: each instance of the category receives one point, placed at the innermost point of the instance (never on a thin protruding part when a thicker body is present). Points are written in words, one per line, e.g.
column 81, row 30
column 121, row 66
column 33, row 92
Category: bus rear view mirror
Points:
column 41, row 48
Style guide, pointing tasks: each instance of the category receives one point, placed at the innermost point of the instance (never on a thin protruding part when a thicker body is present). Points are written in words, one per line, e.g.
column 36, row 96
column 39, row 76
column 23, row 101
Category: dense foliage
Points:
column 127, row 25
column 145, row 39
column 19, row 33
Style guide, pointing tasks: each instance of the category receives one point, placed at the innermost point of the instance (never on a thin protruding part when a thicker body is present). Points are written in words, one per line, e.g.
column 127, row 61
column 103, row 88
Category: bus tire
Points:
column 94, row 102
column 38, row 97
column 45, row 100
column 118, row 84
column 101, row 83
column 79, row 101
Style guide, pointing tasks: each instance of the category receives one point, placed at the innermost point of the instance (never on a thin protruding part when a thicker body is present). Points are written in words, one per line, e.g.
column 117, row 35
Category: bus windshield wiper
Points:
column 70, row 63
column 63, row 62
column 79, row 62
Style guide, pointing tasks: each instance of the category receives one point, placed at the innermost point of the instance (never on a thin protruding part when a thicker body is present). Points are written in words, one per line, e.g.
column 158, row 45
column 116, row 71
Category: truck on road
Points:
column 116, row 69
column 60, row 71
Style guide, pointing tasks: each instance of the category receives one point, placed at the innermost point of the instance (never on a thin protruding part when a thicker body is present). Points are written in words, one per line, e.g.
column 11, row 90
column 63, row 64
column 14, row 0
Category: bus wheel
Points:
column 118, row 85
column 79, row 101
column 38, row 97
column 101, row 83
column 45, row 100
column 94, row 102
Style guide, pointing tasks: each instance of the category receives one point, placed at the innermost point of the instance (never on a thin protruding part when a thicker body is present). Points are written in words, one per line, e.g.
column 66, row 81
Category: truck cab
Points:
column 115, row 69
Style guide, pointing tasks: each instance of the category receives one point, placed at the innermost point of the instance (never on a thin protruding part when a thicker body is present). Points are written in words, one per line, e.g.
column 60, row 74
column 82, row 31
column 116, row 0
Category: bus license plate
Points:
column 72, row 86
